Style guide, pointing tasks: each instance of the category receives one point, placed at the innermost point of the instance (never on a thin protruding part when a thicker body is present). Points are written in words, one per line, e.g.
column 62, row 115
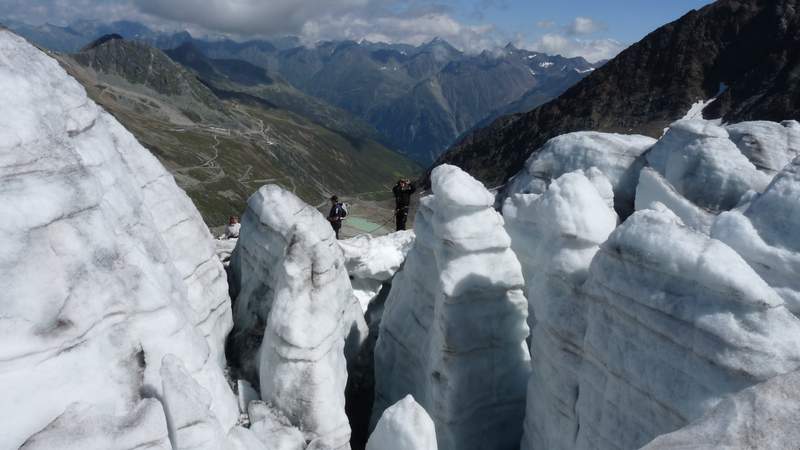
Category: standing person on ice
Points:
column 338, row 212
column 402, row 198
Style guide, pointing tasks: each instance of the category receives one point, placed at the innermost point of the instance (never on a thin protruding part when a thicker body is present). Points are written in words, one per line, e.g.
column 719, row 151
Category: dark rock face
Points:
column 747, row 48
column 140, row 64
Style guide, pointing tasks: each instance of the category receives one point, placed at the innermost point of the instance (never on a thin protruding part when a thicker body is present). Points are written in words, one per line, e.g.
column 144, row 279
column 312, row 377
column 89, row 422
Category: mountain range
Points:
column 220, row 141
column 417, row 100
column 742, row 54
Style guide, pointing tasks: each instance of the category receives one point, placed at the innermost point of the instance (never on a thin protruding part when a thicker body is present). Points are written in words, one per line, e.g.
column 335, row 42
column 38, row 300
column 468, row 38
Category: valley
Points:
column 220, row 149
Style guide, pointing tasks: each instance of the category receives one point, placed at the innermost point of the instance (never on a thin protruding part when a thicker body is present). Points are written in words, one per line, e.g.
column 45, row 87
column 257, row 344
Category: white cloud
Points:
column 583, row 26
column 415, row 31
column 407, row 21
column 592, row 49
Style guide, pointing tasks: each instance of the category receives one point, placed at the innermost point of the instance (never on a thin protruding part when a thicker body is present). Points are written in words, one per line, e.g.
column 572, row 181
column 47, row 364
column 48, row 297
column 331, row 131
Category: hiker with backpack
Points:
column 402, row 196
column 338, row 212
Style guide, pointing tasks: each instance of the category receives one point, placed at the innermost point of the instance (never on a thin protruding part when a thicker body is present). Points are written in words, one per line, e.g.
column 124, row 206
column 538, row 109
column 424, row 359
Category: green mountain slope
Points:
column 221, row 150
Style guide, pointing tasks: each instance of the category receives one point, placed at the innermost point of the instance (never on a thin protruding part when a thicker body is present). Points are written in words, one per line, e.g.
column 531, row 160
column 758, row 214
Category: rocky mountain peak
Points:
column 102, row 40
column 748, row 48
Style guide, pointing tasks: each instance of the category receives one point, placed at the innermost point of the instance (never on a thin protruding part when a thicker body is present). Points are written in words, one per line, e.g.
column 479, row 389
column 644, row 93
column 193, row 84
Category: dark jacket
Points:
column 402, row 196
column 337, row 213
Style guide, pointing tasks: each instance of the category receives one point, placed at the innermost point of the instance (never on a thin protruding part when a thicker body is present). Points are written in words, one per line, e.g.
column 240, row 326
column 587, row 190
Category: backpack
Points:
column 342, row 210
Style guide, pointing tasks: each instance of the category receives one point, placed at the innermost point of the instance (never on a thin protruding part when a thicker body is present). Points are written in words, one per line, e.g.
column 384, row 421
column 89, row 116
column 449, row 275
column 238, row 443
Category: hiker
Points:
column 232, row 228
column 402, row 198
column 338, row 212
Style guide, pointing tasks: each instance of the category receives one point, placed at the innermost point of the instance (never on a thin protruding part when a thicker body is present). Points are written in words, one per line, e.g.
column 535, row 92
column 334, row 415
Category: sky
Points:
column 594, row 29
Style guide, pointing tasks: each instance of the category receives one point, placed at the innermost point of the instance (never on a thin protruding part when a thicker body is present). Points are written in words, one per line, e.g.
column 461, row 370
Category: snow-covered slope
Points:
column 453, row 332
column 106, row 267
column 556, row 235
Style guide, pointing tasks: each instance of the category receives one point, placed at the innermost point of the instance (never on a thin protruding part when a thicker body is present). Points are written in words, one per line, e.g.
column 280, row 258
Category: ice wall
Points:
column 760, row 417
column 556, row 235
column 454, row 328
column 295, row 292
column 275, row 220
column 106, row 266
column 675, row 321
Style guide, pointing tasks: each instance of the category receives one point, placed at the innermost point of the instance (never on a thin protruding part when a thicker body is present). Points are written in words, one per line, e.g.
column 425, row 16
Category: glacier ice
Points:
column 372, row 261
column 273, row 429
column 454, row 326
column 109, row 268
column 276, row 220
column 404, row 426
column 767, row 234
column 760, row 417
column 768, row 145
column 675, row 321
column 700, row 161
column 82, row 427
column 191, row 423
column 294, row 310
column 653, row 189
column 617, row 156
column 556, row 235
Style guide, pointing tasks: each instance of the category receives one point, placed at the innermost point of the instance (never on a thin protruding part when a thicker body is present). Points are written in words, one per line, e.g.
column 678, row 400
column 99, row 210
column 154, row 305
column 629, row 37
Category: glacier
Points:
column 454, row 326
column 760, row 417
column 108, row 269
column 770, row 146
column 630, row 292
column 767, row 234
column 296, row 315
column 675, row 321
column 556, row 235
column 373, row 261
column 700, row 161
column 617, row 156
column 404, row 426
